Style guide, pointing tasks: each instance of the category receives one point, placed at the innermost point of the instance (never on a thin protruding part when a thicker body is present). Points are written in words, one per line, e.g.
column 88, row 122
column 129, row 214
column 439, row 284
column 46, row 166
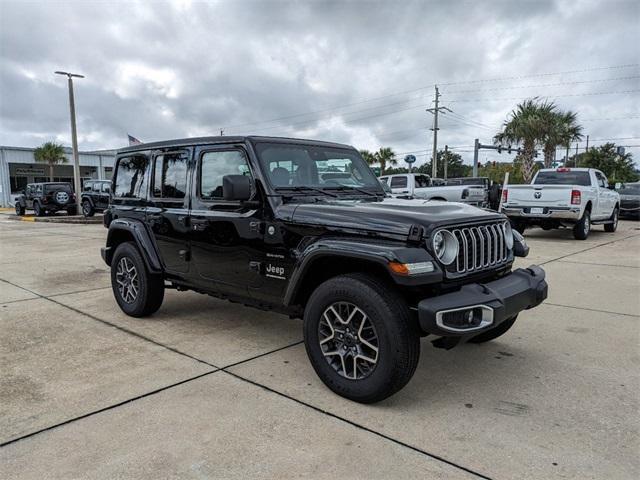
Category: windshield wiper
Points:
column 305, row 188
column 358, row 189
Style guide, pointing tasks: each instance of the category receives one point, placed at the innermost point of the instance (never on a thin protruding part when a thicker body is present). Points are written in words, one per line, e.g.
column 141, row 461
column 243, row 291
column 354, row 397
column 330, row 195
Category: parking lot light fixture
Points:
column 74, row 136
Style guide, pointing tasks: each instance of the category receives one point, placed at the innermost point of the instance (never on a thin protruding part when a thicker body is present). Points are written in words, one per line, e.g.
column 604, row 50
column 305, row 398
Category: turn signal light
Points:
column 576, row 197
column 411, row 268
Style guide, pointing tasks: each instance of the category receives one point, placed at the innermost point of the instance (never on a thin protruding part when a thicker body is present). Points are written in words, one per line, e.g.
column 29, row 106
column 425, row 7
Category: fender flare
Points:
column 87, row 197
column 138, row 231
column 360, row 249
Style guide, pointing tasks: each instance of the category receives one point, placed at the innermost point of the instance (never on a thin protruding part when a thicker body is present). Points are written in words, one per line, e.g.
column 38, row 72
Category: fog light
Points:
column 465, row 319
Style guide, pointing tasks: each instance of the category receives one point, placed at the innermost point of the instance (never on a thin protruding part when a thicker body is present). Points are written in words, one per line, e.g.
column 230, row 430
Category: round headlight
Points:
column 445, row 246
column 508, row 235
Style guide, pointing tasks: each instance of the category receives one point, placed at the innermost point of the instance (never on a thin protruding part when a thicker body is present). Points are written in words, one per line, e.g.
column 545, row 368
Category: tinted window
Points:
column 87, row 186
column 130, row 177
column 170, row 175
column 54, row 187
column 96, row 187
column 106, row 187
column 215, row 165
column 630, row 189
column 398, row 182
column 421, row 181
column 385, row 180
column 561, row 177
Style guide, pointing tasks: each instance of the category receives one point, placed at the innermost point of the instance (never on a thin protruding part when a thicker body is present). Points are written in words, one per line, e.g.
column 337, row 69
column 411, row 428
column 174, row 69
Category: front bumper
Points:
column 558, row 213
column 493, row 302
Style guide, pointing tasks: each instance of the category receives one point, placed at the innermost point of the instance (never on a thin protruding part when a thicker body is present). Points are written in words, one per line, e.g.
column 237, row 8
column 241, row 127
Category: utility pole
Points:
column 221, row 132
column 587, row 148
column 575, row 161
column 445, row 160
column 74, row 135
column 566, row 157
column 476, row 148
column 437, row 109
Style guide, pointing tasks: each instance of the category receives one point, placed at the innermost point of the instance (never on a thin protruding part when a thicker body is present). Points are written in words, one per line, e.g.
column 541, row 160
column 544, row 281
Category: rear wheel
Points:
column 612, row 227
column 360, row 338
column 496, row 332
column 582, row 229
column 138, row 292
column 87, row 209
column 19, row 209
column 38, row 210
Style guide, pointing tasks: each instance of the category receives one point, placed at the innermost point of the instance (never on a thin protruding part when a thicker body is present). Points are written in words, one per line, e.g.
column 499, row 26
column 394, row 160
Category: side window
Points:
column 398, row 182
column 385, row 180
column 96, row 186
column 28, row 190
column 106, row 187
column 130, row 172
column 170, row 175
column 421, row 181
column 39, row 189
column 87, row 186
column 602, row 182
column 214, row 166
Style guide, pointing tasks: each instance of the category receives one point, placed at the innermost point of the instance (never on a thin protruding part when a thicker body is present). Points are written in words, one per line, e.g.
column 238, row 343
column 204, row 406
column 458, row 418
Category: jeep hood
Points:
column 391, row 215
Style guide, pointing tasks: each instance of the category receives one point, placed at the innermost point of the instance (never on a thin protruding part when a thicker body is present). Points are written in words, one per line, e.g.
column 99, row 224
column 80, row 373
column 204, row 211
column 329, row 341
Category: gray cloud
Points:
column 161, row 70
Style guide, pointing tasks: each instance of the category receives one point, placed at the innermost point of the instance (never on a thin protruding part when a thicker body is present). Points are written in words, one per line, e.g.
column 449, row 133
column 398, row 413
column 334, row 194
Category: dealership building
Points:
column 19, row 167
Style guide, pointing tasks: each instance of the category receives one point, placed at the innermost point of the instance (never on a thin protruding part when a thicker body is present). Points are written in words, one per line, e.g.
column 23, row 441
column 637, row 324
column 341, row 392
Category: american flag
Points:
column 133, row 140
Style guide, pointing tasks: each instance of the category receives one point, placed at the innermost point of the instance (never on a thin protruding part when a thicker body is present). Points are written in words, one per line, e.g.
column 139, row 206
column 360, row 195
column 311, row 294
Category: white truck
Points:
column 563, row 197
column 417, row 185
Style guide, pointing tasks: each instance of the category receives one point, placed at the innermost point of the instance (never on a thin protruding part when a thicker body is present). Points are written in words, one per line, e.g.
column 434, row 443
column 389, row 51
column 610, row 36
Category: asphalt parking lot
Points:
column 209, row 389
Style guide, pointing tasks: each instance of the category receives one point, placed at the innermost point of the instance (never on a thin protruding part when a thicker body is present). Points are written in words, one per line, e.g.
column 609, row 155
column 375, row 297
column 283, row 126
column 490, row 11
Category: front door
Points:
column 167, row 213
column 224, row 234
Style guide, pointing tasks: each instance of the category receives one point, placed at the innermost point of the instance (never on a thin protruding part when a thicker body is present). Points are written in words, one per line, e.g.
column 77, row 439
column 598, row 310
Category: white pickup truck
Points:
column 417, row 185
column 563, row 197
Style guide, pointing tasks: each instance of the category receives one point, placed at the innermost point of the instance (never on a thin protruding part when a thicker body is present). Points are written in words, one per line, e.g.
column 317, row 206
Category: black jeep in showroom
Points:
column 265, row 222
column 45, row 198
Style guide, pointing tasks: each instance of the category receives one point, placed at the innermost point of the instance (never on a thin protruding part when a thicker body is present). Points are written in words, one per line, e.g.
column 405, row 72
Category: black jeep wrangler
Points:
column 44, row 198
column 305, row 228
column 95, row 196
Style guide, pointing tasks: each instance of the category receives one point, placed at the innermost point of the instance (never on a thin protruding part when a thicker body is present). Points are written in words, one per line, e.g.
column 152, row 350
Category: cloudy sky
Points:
column 357, row 72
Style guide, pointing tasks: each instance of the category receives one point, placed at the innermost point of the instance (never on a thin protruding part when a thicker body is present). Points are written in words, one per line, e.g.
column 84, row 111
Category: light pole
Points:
column 74, row 135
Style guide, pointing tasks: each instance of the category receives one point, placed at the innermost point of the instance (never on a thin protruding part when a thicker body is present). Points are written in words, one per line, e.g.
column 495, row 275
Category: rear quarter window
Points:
column 398, row 182
column 130, row 177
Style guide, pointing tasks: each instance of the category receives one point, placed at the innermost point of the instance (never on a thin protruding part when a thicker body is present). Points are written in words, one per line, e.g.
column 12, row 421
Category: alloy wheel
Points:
column 127, row 279
column 348, row 340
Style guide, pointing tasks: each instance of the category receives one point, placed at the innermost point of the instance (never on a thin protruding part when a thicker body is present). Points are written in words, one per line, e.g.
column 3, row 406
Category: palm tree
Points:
column 50, row 153
column 385, row 156
column 526, row 126
column 368, row 156
column 562, row 129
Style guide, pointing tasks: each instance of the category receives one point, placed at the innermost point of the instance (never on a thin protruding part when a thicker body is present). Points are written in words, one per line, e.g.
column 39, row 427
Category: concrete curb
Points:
column 74, row 219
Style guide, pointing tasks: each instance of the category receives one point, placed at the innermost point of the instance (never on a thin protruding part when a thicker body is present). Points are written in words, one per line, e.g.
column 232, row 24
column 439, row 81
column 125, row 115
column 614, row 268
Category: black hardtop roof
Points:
column 49, row 183
column 94, row 180
column 184, row 142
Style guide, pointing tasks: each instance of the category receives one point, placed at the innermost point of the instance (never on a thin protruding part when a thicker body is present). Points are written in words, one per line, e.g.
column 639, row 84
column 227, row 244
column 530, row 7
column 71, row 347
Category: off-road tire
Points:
column 398, row 336
column 613, row 226
column 19, row 209
column 495, row 332
column 38, row 210
column 87, row 209
column 72, row 210
column 582, row 229
column 150, row 286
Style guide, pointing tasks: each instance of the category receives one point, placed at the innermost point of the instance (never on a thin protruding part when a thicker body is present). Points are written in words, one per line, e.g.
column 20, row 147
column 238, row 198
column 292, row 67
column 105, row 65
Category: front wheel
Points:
column 613, row 226
column 87, row 209
column 360, row 338
column 495, row 332
column 38, row 210
column 19, row 209
column 582, row 229
column 138, row 292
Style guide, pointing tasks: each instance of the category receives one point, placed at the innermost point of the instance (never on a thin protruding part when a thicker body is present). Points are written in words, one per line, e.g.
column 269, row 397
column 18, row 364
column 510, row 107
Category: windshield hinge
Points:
column 416, row 233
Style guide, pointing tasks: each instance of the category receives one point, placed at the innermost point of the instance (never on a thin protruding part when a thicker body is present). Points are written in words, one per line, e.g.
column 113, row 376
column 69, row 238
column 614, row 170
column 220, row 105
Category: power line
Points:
column 544, row 96
column 372, row 99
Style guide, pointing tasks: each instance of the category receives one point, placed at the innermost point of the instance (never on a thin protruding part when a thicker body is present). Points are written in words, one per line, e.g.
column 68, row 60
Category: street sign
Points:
column 410, row 159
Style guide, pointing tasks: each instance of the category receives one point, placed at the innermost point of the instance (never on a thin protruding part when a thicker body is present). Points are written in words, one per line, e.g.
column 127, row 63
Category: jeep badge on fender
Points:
column 305, row 228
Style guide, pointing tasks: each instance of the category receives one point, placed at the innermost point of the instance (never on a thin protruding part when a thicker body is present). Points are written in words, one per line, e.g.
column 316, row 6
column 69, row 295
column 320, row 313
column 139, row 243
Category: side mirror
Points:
column 236, row 187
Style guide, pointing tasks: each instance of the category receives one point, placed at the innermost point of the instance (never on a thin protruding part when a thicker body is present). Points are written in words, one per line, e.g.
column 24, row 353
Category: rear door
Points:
column 167, row 214
column 105, row 190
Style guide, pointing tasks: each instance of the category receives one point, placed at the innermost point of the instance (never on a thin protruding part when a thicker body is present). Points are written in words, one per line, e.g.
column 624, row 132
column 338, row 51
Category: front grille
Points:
column 480, row 247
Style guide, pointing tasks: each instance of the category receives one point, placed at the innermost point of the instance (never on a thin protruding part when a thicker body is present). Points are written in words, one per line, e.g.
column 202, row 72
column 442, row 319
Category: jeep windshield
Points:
column 55, row 187
column 317, row 170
